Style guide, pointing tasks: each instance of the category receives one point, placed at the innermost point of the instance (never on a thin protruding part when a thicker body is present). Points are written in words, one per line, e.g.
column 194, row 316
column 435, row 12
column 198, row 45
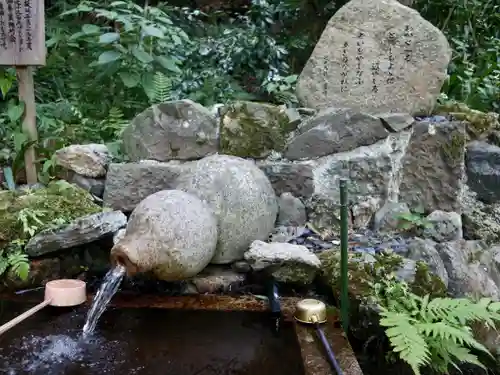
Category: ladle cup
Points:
column 313, row 312
column 60, row 293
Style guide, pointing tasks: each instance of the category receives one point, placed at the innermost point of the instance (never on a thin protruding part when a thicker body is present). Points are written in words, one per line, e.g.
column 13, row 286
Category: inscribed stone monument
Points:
column 22, row 32
column 376, row 56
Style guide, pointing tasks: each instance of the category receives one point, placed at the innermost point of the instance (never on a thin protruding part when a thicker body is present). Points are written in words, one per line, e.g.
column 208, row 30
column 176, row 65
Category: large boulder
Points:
column 127, row 184
column 471, row 267
column 171, row 233
column 480, row 221
column 376, row 56
column 288, row 177
column 372, row 173
column 250, row 129
column 242, row 198
column 180, row 129
column 483, row 170
column 286, row 262
column 89, row 160
column 79, row 232
column 433, row 167
column 335, row 130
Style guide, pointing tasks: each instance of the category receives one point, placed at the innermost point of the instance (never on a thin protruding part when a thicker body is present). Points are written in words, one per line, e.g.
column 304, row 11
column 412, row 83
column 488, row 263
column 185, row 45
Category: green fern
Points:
column 15, row 261
column 162, row 87
column 19, row 264
column 113, row 125
column 438, row 332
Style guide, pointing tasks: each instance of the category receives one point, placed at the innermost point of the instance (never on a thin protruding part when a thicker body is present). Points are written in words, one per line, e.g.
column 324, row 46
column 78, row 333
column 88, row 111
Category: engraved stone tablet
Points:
column 376, row 56
column 22, row 32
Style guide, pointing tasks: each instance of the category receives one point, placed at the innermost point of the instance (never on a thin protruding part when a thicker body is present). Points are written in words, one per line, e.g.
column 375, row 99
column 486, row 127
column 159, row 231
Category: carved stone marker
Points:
column 376, row 56
column 22, row 32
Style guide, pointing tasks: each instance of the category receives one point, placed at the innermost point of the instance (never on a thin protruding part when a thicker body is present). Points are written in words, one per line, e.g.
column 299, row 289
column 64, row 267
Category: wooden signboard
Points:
column 22, row 45
column 22, row 32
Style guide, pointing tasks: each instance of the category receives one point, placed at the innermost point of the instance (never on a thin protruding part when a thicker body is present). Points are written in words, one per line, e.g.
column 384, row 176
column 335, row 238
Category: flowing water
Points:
column 108, row 289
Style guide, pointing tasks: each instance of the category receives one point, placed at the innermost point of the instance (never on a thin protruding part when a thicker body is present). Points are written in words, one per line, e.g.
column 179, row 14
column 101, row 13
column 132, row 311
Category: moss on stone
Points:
column 427, row 283
column 478, row 123
column 250, row 129
column 454, row 151
column 365, row 270
column 295, row 273
column 58, row 203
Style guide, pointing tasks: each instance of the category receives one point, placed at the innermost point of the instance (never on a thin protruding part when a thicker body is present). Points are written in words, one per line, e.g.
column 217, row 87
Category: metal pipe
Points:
column 344, row 227
column 274, row 304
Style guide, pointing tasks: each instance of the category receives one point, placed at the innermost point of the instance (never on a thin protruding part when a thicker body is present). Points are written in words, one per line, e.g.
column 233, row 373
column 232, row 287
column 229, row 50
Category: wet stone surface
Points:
column 365, row 241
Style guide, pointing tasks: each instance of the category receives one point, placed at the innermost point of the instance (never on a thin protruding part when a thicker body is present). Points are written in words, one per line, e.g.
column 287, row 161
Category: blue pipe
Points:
column 328, row 349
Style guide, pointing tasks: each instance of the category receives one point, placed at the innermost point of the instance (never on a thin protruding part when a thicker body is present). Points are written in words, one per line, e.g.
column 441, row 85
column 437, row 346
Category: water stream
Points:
column 108, row 289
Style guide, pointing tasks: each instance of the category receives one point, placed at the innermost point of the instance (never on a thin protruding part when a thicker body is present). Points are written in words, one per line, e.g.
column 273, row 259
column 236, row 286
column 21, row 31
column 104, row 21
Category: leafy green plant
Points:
column 282, row 89
column 15, row 261
column 433, row 332
column 473, row 30
column 412, row 221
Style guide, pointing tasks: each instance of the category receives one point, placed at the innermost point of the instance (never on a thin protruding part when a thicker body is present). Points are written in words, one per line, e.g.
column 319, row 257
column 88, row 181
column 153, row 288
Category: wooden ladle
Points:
column 60, row 293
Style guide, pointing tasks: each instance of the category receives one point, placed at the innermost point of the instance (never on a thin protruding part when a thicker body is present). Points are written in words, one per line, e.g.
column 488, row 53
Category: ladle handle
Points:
column 4, row 328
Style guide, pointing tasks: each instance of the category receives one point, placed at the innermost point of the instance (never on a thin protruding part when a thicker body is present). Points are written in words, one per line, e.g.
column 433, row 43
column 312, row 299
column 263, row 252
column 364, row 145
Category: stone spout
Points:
column 171, row 234
column 127, row 256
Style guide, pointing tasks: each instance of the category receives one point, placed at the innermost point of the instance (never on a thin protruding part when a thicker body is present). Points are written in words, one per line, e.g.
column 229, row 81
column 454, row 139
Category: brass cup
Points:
column 310, row 311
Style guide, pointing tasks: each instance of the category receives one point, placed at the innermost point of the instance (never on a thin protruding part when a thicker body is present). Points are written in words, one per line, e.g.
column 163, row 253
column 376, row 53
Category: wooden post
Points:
column 22, row 45
column 27, row 95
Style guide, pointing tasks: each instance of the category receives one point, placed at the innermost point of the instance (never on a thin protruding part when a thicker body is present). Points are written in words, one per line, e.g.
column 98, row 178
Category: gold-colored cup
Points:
column 310, row 311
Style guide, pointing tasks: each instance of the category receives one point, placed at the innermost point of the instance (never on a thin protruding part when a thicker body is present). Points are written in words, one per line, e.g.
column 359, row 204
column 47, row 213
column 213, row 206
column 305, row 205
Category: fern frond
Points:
column 462, row 311
column 459, row 336
column 406, row 339
column 463, row 355
column 162, row 87
column 115, row 116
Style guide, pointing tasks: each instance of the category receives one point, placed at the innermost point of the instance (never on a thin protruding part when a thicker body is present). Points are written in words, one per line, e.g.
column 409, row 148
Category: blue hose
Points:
column 328, row 348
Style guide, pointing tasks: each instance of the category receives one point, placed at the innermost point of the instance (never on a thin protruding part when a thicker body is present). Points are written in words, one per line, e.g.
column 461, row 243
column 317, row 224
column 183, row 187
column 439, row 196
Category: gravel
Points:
column 365, row 241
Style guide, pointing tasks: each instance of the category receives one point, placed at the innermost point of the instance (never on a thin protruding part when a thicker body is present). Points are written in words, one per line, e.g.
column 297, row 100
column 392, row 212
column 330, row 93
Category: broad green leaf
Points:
column 14, row 112
column 109, row 38
column 84, row 8
column 142, row 55
column 147, row 82
column 108, row 57
column 20, row 140
column 176, row 39
column 5, row 85
column 168, row 64
column 153, row 31
column 80, row 8
column 130, row 79
column 291, row 79
column 23, row 270
column 77, row 35
column 90, row 29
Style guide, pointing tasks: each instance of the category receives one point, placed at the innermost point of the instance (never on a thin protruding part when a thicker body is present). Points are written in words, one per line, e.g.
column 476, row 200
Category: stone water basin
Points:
column 203, row 335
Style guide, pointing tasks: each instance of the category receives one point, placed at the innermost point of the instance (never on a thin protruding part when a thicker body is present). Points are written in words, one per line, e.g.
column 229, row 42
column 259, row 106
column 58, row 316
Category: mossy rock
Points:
column 366, row 270
column 479, row 123
column 454, row 151
column 25, row 213
column 252, row 129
